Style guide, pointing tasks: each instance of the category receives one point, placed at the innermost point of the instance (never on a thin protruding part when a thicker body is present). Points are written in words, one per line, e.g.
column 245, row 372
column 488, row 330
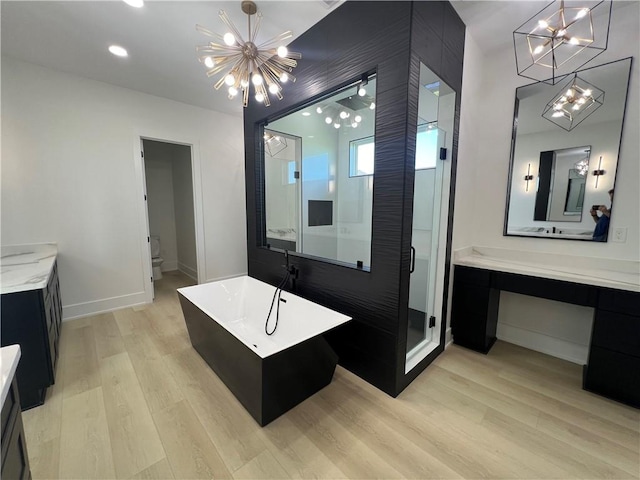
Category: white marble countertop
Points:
column 601, row 272
column 9, row 357
column 26, row 267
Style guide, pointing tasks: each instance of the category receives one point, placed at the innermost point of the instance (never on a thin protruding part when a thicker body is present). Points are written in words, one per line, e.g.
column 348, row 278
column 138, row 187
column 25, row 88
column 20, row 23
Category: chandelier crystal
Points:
column 244, row 65
column 561, row 38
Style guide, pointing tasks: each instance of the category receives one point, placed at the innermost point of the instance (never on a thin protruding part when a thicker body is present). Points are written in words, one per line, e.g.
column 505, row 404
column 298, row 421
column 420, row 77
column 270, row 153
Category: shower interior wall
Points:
column 390, row 39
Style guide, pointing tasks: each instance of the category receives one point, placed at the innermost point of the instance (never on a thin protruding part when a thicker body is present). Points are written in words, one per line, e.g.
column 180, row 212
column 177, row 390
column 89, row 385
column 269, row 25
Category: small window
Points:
column 291, row 172
column 361, row 153
column 426, row 146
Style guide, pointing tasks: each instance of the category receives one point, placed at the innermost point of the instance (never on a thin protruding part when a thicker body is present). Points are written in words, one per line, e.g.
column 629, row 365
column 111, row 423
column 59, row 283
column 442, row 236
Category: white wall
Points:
column 488, row 95
column 69, row 176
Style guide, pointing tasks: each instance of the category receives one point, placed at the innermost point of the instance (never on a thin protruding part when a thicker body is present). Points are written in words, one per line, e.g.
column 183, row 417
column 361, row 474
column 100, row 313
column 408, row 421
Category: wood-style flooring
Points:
column 133, row 400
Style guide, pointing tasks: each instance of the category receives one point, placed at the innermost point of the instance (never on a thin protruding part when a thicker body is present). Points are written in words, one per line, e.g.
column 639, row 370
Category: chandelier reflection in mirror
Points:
column 243, row 63
column 582, row 167
column 576, row 101
column 561, row 38
column 274, row 144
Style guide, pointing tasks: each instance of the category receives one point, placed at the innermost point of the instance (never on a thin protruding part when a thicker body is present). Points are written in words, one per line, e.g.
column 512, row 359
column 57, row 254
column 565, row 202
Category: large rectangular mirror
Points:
column 319, row 170
column 564, row 154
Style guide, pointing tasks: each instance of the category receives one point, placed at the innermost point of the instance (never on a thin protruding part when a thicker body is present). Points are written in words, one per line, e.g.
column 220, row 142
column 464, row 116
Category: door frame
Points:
column 143, row 222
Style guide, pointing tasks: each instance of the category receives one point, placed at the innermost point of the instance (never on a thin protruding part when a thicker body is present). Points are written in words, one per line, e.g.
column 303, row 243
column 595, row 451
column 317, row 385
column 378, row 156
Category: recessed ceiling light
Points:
column 118, row 51
column 305, row 114
column 134, row 3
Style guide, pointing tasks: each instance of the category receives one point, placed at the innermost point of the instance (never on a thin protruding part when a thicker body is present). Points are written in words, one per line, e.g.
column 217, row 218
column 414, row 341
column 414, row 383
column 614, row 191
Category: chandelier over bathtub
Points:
column 244, row 63
column 561, row 38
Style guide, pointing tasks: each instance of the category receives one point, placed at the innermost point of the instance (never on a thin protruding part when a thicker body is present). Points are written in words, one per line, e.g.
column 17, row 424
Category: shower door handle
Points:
column 413, row 260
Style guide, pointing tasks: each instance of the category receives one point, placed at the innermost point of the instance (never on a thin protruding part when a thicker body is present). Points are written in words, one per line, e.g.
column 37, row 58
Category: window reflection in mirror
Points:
column 557, row 206
column 319, row 171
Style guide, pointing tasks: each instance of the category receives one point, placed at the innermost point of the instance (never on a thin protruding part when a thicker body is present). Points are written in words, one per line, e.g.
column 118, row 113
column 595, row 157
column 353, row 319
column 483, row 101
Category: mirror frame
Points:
column 514, row 128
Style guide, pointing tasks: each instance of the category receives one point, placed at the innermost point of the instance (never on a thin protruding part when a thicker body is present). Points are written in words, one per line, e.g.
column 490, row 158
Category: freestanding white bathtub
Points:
column 268, row 374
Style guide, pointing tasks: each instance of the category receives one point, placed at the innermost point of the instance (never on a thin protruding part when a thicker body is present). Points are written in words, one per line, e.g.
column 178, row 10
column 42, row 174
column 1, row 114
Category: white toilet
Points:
column 156, row 259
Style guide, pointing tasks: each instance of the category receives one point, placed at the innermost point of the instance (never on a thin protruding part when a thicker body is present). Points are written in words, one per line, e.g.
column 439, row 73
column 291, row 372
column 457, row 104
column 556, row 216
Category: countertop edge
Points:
column 562, row 273
column 9, row 356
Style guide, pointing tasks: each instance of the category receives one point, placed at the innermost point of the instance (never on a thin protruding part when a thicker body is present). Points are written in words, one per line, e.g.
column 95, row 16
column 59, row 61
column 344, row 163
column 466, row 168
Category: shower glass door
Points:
column 436, row 103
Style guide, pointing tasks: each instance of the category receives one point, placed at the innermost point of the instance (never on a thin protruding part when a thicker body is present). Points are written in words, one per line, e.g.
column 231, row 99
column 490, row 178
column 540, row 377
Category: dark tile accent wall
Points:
column 390, row 38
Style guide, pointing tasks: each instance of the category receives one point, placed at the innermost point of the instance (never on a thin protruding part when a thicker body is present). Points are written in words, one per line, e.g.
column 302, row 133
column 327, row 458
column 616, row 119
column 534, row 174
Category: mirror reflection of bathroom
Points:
column 562, row 178
column 170, row 213
column 436, row 106
column 319, row 170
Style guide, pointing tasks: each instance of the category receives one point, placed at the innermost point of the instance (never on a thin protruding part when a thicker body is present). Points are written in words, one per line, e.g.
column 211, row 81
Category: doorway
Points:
column 170, row 209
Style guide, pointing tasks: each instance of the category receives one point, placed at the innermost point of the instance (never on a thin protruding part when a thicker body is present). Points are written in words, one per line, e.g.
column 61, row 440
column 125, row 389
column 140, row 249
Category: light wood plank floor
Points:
column 134, row 400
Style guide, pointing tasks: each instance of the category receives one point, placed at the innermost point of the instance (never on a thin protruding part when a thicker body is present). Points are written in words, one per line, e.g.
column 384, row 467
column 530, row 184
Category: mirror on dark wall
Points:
column 319, row 171
column 564, row 154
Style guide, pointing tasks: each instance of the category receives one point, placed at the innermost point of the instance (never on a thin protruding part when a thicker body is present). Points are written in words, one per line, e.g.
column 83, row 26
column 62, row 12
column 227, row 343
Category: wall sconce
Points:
column 528, row 177
column 597, row 173
column 576, row 100
column 560, row 39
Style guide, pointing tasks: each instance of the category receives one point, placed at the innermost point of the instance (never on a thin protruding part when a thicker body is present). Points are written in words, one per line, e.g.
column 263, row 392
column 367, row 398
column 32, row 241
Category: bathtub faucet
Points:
column 292, row 270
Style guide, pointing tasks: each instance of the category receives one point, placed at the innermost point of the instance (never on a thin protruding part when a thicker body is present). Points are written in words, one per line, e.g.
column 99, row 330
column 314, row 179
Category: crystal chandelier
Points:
column 243, row 63
column 576, row 101
column 561, row 38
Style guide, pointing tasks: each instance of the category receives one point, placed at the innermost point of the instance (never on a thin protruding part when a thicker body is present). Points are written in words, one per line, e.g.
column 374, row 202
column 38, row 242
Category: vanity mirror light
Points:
column 555, row 174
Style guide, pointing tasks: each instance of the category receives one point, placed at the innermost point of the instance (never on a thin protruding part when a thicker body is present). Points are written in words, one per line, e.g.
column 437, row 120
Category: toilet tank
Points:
column 155, row 246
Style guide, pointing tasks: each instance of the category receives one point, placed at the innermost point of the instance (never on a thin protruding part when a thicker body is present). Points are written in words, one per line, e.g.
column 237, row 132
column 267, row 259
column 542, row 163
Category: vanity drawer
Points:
column 473, row 276
column 617, row 332
column 9, row 410
column 575, row 293
column 619, row 301
column 614, row 375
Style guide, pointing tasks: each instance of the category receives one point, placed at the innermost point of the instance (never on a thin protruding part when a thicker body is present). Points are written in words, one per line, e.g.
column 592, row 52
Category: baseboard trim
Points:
column 448, row 338
column 190, row 272
column 556, row 347
column 169, row 266
column 79, row 310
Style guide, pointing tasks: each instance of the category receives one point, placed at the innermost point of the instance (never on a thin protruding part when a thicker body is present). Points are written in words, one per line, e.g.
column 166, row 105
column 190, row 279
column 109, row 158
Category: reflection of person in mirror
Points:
column 601, row 231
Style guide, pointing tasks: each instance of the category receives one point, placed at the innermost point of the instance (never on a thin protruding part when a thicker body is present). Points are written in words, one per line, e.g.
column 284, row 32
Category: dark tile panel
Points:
column 356, row 37
column 350, row 291
column 428, row 18
column 366, row 351
column 451, row 69
column 426, row 33
column 453, row 31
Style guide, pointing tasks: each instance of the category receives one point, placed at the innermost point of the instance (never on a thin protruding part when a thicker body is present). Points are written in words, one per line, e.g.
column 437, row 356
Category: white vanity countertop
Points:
column 602, row 272
column 9, row 357
column 26, row 267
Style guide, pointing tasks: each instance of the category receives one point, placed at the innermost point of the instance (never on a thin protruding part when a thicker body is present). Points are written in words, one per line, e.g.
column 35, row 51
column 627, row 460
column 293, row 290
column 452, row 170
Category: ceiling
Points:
column 73, row 36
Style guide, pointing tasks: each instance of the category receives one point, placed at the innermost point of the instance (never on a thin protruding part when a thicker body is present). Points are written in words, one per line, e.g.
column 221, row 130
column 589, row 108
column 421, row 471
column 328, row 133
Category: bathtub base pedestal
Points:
column 266, row 387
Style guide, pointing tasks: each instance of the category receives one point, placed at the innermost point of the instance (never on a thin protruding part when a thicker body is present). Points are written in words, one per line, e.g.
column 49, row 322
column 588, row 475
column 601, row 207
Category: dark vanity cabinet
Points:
column 15, row 461
column 474, row 314
column 32, row 319
column 613, row 367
